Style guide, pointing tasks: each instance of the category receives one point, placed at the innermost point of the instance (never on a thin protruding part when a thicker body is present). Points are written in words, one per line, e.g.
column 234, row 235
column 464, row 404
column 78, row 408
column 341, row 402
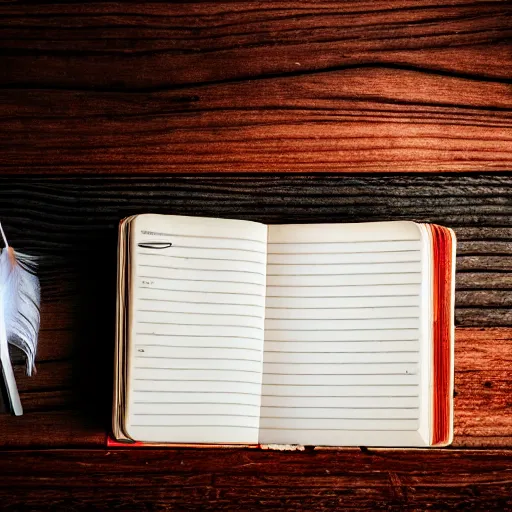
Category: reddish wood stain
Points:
column 135, row 89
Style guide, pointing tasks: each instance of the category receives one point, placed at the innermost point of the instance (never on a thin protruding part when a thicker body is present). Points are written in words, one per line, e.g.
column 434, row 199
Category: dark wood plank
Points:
column 138, row 87
column 219, row 479
column 68, row 220
column 476, row 206
column 72, row 225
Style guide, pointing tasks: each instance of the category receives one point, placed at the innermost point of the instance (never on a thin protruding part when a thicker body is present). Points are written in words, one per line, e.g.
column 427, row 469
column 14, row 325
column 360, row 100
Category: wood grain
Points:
column 395, row 85
column 71, row 223
column 134, row 88
column 66, row 221
column 162, row 480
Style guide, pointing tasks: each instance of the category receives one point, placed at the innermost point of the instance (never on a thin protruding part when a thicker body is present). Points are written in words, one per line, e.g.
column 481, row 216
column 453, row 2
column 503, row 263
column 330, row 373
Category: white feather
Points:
column 21, row 297
column 19, row 311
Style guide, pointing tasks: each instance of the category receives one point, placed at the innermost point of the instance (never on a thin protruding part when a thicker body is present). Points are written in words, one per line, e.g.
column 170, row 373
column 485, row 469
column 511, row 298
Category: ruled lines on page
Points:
column 198, row 335
column 342, row 329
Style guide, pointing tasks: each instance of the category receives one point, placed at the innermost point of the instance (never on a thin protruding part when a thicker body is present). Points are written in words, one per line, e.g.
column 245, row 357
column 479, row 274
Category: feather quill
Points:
column 19, row 314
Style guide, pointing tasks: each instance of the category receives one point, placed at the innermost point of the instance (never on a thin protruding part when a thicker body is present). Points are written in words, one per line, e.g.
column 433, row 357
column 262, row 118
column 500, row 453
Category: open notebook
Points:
column 234, row 332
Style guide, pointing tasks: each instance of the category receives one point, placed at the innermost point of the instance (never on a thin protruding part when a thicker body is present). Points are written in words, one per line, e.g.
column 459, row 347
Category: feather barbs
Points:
column 20, row 300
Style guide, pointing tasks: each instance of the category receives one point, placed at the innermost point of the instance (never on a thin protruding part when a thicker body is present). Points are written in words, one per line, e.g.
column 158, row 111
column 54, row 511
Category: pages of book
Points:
column 346, row 357
column 232, row 332
column 196, row 331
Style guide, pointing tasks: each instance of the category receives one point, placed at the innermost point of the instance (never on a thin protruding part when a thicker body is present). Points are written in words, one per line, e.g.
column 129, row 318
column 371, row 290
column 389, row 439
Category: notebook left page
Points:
column 195, row 330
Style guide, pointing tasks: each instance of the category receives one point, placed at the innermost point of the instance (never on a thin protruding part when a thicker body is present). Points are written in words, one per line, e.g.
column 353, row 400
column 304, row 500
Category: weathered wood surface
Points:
column 387, row 85
column 164, row 480
column 135, row 88
column 72, row 225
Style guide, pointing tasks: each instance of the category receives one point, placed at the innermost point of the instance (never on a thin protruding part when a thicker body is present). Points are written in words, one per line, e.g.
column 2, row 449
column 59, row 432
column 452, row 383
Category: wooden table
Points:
column 103, row 102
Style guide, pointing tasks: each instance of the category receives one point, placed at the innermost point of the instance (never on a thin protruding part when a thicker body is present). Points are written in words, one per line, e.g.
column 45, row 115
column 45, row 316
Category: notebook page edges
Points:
column 344, row 336
column 452, row 333
column 196, row 334
column 119, row 359
column 443, row 334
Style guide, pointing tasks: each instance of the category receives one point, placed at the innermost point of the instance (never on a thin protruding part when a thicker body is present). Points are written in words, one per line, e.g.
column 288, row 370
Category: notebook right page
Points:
column 347, row 335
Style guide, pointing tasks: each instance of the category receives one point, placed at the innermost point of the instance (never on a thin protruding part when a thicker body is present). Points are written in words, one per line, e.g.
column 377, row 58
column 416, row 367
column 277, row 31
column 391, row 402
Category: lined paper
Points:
column 342, row 335
column 197, row 334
